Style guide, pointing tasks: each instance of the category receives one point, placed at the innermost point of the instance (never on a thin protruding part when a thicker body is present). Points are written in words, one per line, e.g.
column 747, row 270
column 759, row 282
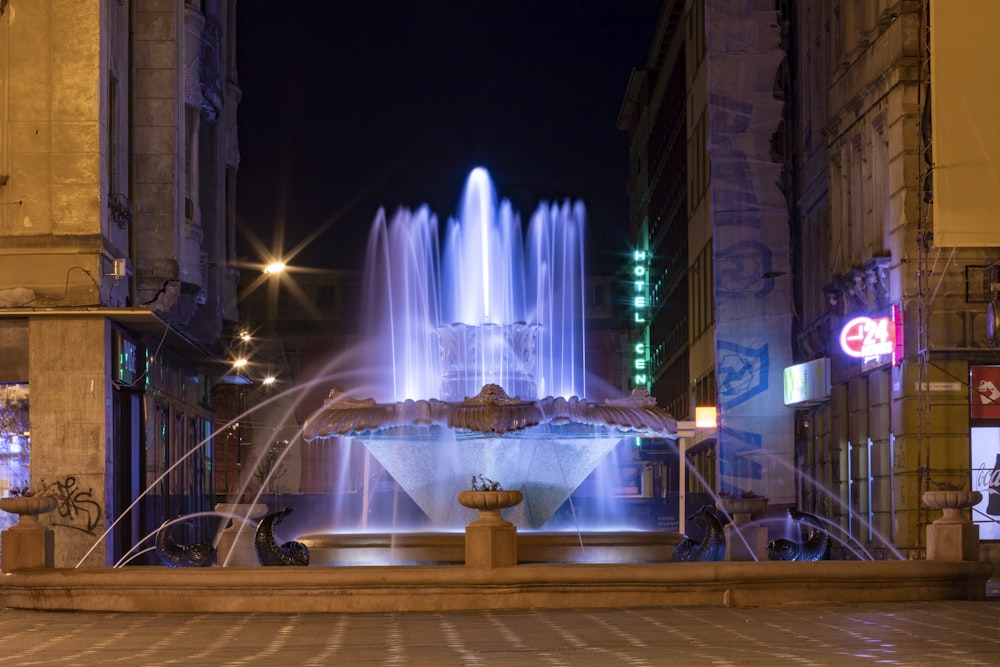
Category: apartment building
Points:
column 118, row 159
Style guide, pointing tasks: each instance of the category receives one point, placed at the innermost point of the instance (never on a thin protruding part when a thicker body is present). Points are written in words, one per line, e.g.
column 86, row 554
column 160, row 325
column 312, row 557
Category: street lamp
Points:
column 706, row 419
column 685, row 431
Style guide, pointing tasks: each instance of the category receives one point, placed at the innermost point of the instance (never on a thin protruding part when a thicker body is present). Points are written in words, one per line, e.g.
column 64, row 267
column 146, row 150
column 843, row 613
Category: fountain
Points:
column 482, row 339
column 486, row 390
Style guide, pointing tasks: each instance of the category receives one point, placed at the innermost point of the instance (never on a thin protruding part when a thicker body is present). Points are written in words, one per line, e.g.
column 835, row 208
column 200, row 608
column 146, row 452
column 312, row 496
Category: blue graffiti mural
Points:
column 742, row 372
column 742, row 270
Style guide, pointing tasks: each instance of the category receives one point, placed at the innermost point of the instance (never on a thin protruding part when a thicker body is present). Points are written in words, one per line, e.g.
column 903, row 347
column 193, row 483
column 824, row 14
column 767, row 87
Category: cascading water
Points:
column 478, row 339
column 492, row 307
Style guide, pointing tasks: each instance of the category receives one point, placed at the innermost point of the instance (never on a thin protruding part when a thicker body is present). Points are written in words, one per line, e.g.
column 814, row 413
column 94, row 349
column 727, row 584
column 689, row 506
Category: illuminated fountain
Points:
column 481, row 340
column 506, row 379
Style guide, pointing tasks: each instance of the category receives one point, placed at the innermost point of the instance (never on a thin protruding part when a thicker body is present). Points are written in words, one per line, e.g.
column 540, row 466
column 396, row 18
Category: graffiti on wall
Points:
column 76, row 509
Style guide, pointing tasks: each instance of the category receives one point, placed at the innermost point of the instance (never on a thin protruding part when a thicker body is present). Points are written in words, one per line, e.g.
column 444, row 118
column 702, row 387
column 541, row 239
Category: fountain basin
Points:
column 449, row 548
column 449, row 588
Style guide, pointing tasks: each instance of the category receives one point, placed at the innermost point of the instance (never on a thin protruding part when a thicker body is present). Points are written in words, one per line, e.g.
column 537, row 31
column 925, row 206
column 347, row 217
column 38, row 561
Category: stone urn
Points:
column 490, row 504
column 952, row 537
column 742, row 509
column 28, row 543
column 952, row 503
column 27, row 508
column 490, row 540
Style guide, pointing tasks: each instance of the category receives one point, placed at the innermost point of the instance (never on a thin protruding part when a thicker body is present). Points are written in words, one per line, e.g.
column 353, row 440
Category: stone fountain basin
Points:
column 449, row 588
column 422, row 548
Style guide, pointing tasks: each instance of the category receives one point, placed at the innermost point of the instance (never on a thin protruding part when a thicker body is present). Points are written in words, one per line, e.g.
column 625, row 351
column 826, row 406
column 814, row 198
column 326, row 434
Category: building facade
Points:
column 118, row 153
column 812, row 125
column 878, row 258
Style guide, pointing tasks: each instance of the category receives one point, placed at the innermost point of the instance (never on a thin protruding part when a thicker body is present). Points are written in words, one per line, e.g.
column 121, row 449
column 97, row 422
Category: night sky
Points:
column 348, row 106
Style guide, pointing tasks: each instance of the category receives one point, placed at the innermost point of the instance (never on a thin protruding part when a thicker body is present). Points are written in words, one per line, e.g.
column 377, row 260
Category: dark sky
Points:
column 348, row 106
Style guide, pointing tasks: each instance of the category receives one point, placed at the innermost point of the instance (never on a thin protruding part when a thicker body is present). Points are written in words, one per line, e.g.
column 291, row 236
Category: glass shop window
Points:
column 15, row 445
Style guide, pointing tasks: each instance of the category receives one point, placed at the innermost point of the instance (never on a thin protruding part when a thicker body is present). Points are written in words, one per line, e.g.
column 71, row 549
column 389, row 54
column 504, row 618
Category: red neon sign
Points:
column 865, row 337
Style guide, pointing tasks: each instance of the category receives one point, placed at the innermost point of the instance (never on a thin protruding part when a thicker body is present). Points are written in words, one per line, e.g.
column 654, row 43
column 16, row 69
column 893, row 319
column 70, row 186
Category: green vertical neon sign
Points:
column 640, row 311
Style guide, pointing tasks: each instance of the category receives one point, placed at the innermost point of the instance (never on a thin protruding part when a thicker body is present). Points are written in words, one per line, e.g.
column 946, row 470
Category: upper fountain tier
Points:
column 492, row 411
column 482, row 303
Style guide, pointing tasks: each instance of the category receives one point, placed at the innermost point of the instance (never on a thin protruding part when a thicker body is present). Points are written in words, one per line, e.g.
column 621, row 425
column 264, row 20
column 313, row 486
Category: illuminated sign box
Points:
column 807, row 384
column 876, row 341
column 984, row 381
column 640, row 350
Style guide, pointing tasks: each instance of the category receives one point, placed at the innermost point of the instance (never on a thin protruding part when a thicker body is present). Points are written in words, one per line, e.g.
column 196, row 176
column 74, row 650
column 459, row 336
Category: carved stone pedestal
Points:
column 490, row 545
column 490, row 540
column 235, row 547
column 27, row 544
column 953, row 541
column 745, row 542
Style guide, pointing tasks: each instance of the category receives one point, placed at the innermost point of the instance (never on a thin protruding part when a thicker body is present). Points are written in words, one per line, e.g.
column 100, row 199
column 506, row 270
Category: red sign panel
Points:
column 985, row 399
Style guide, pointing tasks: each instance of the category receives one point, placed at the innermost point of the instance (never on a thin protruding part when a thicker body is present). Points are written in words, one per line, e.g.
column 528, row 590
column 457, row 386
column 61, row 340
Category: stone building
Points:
column 883, row 242
column 816, row 201
column 118, row 158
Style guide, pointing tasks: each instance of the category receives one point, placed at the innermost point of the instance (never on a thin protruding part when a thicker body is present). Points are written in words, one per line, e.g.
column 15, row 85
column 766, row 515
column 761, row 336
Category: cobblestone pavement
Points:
column 924, row 633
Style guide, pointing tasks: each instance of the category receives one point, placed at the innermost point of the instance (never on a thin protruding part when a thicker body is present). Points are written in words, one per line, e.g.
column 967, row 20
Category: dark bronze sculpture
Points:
column 268, row 551
column 171, row 554
column 712, row 548
column 815, row 547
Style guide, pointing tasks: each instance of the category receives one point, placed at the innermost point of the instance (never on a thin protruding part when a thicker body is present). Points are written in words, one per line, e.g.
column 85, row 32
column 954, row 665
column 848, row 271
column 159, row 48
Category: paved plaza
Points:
column 915, row 633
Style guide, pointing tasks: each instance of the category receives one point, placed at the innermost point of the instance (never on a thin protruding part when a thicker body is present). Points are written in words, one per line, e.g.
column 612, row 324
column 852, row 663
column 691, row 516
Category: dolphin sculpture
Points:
column 814, row 548
column 712, row 548
column 268, row 551
column 171, row 554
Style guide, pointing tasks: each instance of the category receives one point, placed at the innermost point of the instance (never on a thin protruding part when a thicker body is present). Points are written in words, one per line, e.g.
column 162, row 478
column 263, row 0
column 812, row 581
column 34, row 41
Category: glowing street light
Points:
column 706, row 417
column 274, row 268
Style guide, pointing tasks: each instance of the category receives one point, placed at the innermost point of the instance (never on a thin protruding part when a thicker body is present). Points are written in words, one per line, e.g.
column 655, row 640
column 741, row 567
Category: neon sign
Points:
column 639, row 284
column 874, row 340
column 865, row 337
column 640, row 349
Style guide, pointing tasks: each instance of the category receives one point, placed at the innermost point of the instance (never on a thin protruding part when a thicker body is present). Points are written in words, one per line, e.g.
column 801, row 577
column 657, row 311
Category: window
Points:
column 15, row 444
column 598, row 295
